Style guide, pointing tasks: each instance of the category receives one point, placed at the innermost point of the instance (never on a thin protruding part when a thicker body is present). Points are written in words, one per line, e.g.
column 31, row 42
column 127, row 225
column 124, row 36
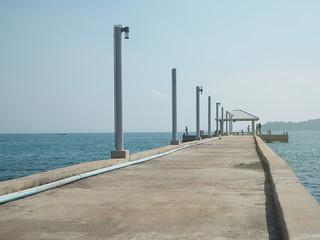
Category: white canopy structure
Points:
column 240, row 115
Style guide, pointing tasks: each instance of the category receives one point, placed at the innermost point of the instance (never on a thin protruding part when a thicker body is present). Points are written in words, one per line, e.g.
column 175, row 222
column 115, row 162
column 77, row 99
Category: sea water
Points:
column 26, row 154
column 302, row 154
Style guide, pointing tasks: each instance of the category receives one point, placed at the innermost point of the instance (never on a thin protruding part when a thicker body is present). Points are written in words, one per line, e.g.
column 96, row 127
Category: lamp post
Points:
column 174, row 140
column 217, row 119
column 227, row 122
column 209, row 116
column 230, row 123
column 221, row 127
column 118, row 121
column 198, row 91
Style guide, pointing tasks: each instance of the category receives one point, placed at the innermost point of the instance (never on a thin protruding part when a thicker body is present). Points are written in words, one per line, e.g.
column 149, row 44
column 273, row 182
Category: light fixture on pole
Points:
column 221, row 127
column 198, row 91
column 174, row 140
column 209, row 116
column 118, row 121
column 231, row 124
column 217, row 119
column 227, row 122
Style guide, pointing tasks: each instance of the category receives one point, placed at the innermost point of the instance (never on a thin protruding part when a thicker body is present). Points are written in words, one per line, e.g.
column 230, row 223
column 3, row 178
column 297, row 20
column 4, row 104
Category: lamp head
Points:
column 201, row 90
column 126, row 31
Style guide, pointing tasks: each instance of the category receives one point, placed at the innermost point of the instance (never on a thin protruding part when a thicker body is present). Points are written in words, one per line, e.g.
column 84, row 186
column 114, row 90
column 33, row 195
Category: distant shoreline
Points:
column 310, row 125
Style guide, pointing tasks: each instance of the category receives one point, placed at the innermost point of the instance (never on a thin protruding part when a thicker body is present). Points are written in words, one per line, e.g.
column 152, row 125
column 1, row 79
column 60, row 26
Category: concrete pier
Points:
column 275, row 137
column 216, row 190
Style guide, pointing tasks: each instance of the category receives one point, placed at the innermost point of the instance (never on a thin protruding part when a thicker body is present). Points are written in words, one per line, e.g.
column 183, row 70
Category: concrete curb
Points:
column 39, row 179
column 298, row 211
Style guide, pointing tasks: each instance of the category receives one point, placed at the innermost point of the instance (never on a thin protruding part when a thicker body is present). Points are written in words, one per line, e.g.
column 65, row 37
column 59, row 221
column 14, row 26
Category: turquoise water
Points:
column 302, row 154
column 26, row 154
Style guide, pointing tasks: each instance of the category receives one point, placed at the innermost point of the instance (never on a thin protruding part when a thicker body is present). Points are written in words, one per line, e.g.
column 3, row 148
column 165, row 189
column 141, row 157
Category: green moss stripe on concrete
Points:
column 299, row 212
column 19, row 184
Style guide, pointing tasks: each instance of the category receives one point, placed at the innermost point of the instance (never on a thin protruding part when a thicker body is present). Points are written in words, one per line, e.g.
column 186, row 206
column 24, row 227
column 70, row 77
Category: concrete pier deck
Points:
column 216, row 190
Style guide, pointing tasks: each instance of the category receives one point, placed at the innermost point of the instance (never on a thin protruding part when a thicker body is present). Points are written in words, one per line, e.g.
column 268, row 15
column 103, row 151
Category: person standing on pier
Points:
column 259, row 126
column 248, row 128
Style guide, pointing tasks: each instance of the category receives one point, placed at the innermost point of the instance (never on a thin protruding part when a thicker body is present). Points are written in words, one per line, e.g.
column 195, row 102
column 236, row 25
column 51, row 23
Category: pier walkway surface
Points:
column 215, row 190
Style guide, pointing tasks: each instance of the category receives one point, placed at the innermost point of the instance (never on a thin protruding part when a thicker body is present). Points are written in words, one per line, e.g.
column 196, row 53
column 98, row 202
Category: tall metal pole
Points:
column 230, row 123
column 174, row 140
column 221, row 127
column 209, row 116
column 118, row 121
column 231, row 131
column 217, row 119
column 227, row 122
column 198, row 112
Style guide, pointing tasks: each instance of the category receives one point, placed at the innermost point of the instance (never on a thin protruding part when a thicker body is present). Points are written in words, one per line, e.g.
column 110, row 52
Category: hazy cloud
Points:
column 159, row 94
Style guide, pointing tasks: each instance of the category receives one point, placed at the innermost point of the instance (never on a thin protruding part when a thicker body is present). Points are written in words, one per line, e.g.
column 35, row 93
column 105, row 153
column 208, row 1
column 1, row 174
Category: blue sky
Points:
column 56, row 62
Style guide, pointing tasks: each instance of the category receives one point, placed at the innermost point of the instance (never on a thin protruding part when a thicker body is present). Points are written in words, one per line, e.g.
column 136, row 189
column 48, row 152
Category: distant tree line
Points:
column 313, row 124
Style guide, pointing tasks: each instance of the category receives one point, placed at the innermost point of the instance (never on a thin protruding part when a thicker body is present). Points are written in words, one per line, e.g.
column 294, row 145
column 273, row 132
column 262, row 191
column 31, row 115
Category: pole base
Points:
column 175, row 142
column 120, row 154
column 197, row 138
